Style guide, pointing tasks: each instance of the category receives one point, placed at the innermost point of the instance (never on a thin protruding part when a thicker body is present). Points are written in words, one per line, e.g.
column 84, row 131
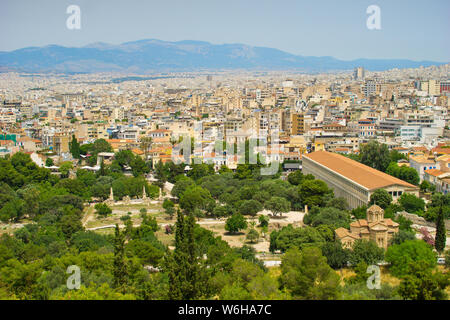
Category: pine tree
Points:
column 120, row 271
column 441, row 237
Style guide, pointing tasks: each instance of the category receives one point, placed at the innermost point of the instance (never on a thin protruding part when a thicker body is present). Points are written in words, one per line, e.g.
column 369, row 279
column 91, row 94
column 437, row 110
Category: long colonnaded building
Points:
column 352, row 180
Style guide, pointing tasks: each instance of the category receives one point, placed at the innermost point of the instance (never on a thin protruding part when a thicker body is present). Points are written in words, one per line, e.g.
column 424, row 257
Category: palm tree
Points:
column 146, row 144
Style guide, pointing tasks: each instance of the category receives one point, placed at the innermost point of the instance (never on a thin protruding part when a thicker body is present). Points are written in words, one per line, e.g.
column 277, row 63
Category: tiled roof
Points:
column 422, row 159
column 434, row 172
column 342, row 233
column 357, row 172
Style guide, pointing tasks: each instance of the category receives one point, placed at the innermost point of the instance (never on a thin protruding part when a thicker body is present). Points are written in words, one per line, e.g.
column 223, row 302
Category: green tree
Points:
column 401, row 255
column 360, row 212
column 314, row 192
column 201, row 170
column 49, row 162
column 381, row 198
column 338, row 203
column 102, row 209
column 252, row 235
column 139, row 167
column 404, row 223
column 181, row 185
column 447, row 259
column 235, row 223
column 289, row 237
column 412, row 204
column 337, row 257
column 396, row 156
column 263, row 221
column 278, row 205
column 101, row 292
column 402, row 236
column 375, row 155
column 124, row 158
column 422, row 284
column 195, row 197
column 160, row 175
column 424, row 186
column 74, row 148
column 367, row 251
column 186, row 276
column 250, row 207
column 120, row 270
column 295, row 178
column 307, row 275
column 327, row 216
column 441, row 233
column 146, row 144
column 65, row 168
column 404, row 173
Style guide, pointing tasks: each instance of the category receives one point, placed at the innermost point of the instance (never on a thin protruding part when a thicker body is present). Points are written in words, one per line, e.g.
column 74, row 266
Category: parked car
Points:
column 441, row 260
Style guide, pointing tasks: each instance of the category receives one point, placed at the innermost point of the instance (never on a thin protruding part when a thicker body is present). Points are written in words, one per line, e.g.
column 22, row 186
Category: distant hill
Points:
column 152, row 55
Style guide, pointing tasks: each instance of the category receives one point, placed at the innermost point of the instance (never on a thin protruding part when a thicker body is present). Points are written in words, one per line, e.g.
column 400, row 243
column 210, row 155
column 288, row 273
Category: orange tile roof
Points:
column 389, row 222
column 342, row 233
column 434, row 172
column 422, row 159
column 422, row 148
column 137, row 151
column 357, row 172
column 6, row 142
column 441, row 150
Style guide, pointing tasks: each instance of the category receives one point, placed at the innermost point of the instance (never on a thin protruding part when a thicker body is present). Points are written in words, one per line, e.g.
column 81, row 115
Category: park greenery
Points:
column 199, row 264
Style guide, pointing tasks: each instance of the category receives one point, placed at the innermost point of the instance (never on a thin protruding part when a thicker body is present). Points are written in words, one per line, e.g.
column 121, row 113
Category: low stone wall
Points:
column 421, row 221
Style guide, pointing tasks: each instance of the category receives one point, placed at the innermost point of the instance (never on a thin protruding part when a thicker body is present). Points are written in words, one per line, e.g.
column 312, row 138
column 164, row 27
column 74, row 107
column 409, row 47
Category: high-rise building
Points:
column 370, row 88
column 359, row 73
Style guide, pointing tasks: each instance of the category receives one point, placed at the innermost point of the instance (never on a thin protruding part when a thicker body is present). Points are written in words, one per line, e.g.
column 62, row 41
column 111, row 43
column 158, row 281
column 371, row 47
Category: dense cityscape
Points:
column 93, row 172
column 212, row 178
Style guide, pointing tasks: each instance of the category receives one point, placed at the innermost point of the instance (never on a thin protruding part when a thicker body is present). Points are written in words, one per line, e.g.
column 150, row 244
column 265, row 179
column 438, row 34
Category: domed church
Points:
column 375, row 228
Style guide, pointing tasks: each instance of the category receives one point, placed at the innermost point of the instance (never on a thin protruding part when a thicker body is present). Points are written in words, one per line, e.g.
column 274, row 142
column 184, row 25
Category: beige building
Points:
column 60, row 143
column 375, row 228
column 352, row 180
column 434, row 88
column 297, row 123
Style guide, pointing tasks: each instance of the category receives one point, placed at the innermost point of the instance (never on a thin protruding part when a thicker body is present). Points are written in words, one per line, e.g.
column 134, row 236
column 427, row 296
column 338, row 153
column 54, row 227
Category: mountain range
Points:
column 151, row 55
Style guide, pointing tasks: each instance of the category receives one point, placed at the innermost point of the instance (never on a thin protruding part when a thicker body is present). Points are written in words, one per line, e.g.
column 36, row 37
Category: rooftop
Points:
column 357, row 172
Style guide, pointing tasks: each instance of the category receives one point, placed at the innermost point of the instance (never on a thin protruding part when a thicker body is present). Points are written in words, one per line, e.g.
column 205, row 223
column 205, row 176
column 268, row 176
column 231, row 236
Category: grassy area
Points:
column 234, row 240
column 130, row 207
column 386, row 277
column 274, row 272
column 91, row 220
column 166, row 239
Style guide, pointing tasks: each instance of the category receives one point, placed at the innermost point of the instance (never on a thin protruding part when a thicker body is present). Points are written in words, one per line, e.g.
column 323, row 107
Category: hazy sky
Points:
column 417, row 30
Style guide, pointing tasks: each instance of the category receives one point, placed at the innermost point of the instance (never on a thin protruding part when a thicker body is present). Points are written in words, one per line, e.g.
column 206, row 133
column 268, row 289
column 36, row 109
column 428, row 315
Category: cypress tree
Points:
column 183, row 264
column 441, row 237
column 193, row 271
column 120, row 271
column 175, row 262
column 74, row 147
column 102, row 171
